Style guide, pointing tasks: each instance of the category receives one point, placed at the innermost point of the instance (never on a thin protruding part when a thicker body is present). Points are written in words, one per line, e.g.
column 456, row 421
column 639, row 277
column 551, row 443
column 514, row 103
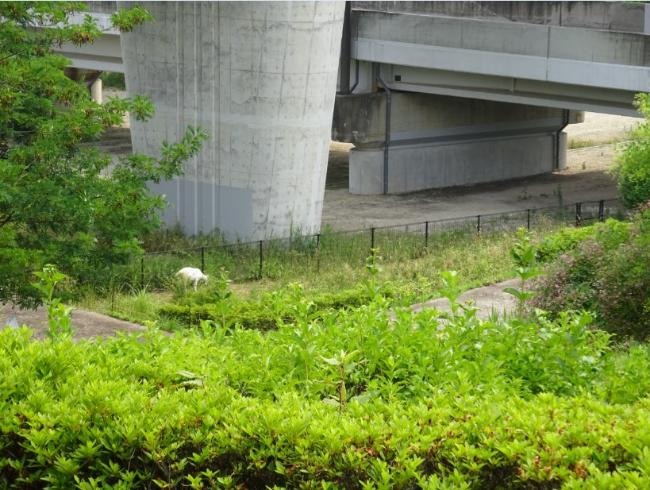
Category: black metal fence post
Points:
column 426, row 234
column 443, row 225
column 601, row 210
column 317, row 252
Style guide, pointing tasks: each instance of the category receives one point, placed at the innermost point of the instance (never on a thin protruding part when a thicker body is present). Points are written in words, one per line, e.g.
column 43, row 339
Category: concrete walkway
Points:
column 487, row 299
column 86, row 324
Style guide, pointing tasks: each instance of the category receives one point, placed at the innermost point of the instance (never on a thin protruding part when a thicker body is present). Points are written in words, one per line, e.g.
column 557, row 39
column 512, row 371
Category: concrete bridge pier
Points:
column 260, row 77
column 96, row 91
column 437, row 141
column 91, row 79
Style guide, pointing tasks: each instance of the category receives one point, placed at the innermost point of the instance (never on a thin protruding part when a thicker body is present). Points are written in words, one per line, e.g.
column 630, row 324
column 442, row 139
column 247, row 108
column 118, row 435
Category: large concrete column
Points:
column 260, row 77
column 438, row 141
column 96, row 92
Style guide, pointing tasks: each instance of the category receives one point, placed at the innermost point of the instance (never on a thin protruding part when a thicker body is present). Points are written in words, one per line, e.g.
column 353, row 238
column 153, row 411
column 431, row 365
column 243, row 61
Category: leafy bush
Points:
column 273, row 309
column 608, row 273
column 355, row 400
column 633, row 167
column 113, row 80
column 611, row 232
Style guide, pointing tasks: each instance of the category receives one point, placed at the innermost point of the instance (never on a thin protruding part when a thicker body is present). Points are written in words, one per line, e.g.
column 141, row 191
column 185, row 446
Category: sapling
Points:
column 451, row 289
column 373, row 268
column 58, row 315
column 524, row 253
column 345, row 364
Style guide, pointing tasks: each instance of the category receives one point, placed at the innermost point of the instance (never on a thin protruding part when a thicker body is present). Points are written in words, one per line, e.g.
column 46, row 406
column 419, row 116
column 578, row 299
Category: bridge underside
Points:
column 441, row 101
column 437, row 141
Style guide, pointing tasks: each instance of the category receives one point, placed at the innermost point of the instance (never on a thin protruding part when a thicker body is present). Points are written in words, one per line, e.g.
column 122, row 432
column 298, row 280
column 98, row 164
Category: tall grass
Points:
column 411, row 257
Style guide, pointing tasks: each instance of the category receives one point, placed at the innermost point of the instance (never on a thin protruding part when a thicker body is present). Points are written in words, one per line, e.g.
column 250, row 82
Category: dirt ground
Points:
column 586, row 178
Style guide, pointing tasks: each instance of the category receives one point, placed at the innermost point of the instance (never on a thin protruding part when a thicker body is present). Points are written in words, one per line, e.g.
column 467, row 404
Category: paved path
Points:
column 487, row 299
column 86, row 324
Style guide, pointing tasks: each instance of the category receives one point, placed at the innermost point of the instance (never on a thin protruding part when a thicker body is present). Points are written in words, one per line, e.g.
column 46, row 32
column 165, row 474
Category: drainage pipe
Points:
column 387, row 91
column 356, row 75
column 565, row 123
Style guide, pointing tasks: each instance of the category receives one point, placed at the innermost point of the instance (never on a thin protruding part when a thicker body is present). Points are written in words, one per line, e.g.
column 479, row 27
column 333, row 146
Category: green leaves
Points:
column 58, row 315
column 524, row 254
column 60, row 200
column 127, row 19
column 633, row 167
column 127, row 411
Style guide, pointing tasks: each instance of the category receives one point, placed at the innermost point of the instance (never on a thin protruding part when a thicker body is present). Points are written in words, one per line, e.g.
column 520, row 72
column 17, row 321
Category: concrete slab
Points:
column 86, row 324
column 488, row 299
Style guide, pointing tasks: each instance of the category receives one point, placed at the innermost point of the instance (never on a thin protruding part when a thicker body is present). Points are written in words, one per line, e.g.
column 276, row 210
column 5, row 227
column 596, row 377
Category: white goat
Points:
column 193, row 275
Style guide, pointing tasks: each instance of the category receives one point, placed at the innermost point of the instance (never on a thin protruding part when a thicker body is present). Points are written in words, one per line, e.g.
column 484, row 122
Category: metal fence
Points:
column 309, row 254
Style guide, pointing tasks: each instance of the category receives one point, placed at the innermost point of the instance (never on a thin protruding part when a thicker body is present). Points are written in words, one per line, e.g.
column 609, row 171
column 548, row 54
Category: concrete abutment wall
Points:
column 260, row 77
column 439, row 141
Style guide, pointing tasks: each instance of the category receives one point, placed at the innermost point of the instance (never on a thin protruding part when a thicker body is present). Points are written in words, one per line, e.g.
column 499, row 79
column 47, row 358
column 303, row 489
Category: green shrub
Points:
column 610, row 232
column 354, row 400
column 274, row 308
column 608, row 273
column 633, row 167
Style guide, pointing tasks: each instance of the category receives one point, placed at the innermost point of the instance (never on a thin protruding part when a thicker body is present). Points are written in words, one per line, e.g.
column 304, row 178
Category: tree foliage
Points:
column 633, row 169
column 61, row 200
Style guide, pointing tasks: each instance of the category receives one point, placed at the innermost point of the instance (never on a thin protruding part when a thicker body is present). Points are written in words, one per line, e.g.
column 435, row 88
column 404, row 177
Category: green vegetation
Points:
column 575, row 144
column 567, row 239
column 353, row 399
column 332, row 383
column 633, row 168
column 113, row 80
column 63, row 202
column 410, row 270
column 607, row 272
column 341, row 282
column 334, row 257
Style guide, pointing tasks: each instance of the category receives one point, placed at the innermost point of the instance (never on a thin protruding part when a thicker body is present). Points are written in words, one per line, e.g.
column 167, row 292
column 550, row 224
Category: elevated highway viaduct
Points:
column 432, row 94
column 450, row 93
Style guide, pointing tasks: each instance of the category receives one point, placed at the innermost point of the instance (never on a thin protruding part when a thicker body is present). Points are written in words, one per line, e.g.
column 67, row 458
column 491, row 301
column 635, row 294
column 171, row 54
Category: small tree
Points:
column 61, row 201
column 633, row 166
